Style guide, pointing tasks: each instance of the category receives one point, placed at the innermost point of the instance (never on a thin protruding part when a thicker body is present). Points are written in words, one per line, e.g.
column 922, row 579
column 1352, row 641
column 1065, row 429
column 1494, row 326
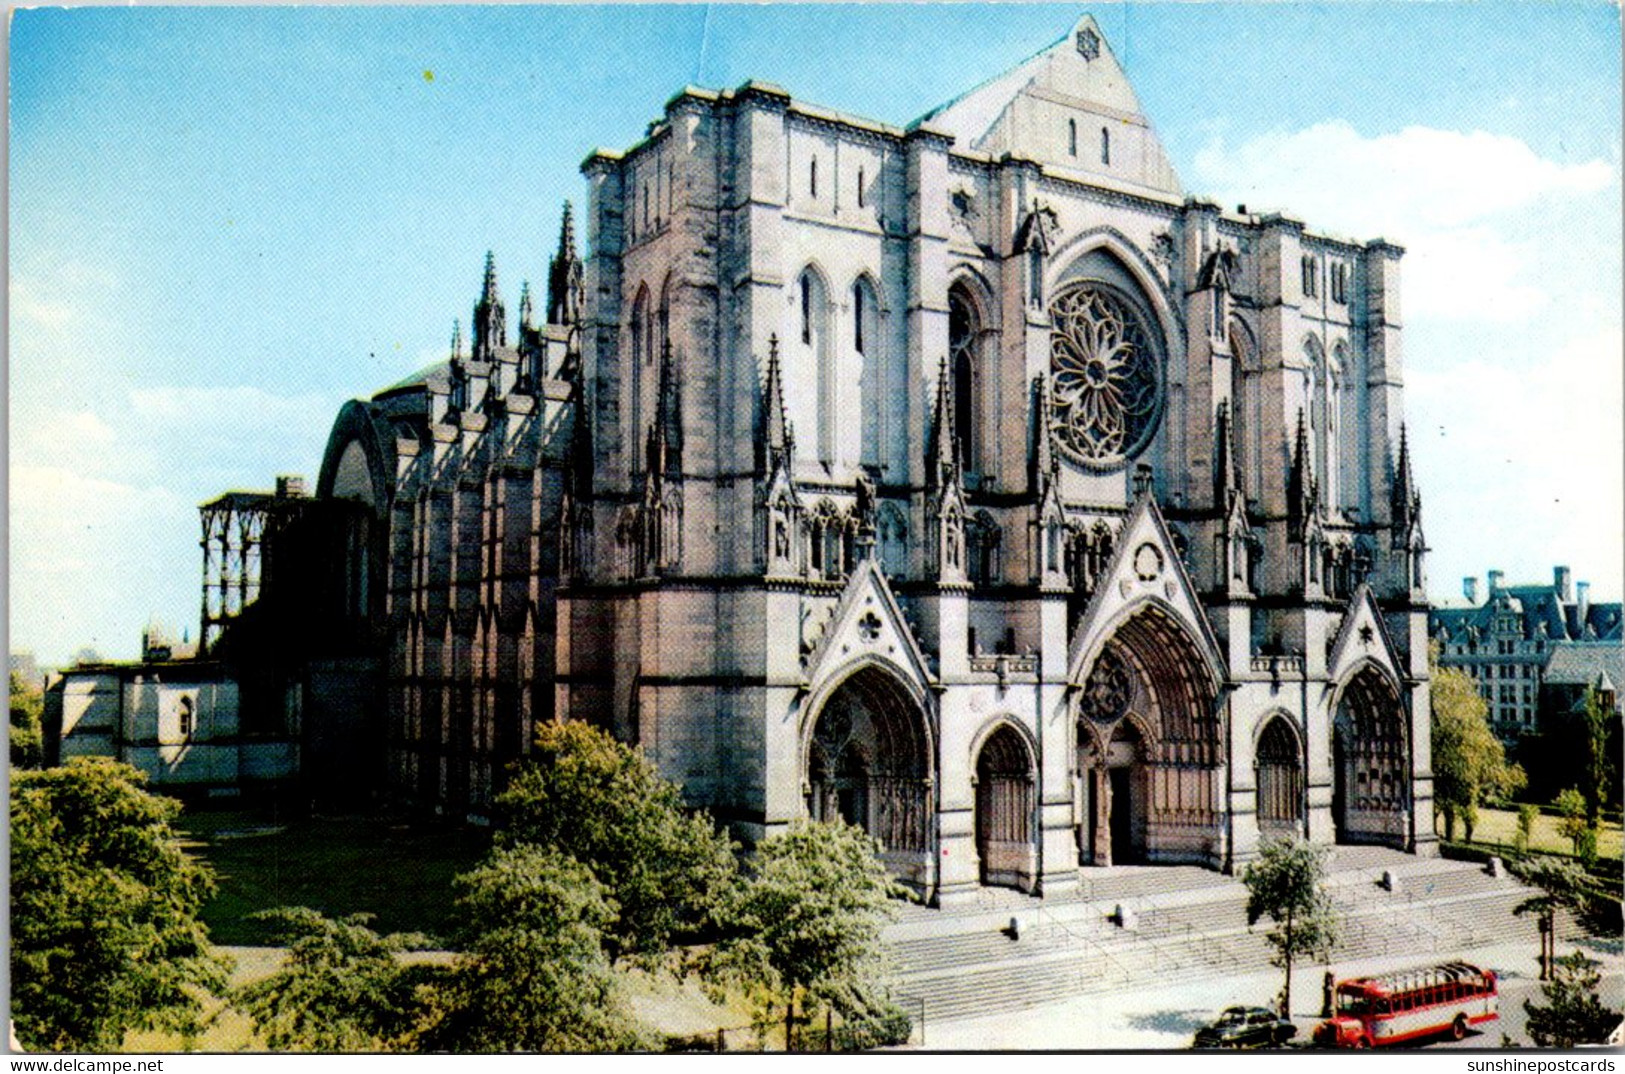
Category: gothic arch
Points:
column 1149, row 744
column 1068, row 263
column 1370, row 758
column 1005, row 781
column 814, row 337
column 1278, row 776
column 970, row 355
column 875, row 390
column 867, row 759
column 356, row 426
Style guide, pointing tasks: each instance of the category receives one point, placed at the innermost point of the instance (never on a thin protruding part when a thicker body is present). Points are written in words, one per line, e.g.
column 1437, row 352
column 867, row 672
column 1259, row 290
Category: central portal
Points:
column 1148, row 749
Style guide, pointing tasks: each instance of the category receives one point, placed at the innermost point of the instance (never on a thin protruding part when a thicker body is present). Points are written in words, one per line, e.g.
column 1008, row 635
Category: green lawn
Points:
column 338, row 865
column 1501, row 826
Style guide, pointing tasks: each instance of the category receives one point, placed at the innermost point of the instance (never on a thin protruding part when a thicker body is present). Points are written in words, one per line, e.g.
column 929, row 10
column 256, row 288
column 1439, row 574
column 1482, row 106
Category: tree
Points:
column 1572, row 1014
column 1561, row 884
column 27, row 717
column 1599, row 716
column 534, row 976
column 104, row 910
column 1287, row 885
column 1527, row 812
column 1469, row 762
column 605, row 805
column 1571, row 807
column 805, row 925
column 342, row 988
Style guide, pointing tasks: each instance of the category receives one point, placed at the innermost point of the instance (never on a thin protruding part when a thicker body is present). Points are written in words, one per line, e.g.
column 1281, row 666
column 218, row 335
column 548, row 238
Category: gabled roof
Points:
column 1025, row 112
column 1577, row 663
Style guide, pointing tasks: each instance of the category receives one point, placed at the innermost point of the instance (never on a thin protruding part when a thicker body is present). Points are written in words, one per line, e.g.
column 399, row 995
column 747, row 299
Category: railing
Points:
column 1004, row 664
column 1278, row 665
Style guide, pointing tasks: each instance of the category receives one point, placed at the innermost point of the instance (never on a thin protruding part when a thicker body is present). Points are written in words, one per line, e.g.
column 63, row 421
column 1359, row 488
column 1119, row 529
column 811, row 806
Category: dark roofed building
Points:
column 1507, row 642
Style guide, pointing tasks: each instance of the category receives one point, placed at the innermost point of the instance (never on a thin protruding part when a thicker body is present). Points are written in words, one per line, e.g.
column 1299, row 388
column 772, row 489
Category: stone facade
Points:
column 966, row 481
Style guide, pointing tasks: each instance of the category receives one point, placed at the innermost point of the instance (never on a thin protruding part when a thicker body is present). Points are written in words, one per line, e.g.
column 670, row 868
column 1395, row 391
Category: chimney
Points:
column 1469, row 589
column 1582, row 604
column 1493, row 580
column 1563, row 582
column 290, row 487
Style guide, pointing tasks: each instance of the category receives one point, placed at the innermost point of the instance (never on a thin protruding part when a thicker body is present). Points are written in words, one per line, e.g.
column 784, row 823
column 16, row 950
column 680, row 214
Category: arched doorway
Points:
column 868, row 764
column 1279, row 773
column 1004, row 811
column 1148, row 733
column 1371, row 794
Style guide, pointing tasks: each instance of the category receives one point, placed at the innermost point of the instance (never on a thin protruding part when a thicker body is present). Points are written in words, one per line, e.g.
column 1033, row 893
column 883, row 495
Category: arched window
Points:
column 872, row 390
column 982, row 539
column 640, row 335
column 965, row 359
column 817, row 357
column 812, row 179
column 1072, row 137
column 1323, row 415
column 860, row 189
column 1105, row 146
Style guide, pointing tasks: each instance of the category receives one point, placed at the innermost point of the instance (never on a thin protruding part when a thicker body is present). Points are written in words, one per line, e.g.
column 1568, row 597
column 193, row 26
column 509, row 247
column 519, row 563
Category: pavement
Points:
column 1166, row 1016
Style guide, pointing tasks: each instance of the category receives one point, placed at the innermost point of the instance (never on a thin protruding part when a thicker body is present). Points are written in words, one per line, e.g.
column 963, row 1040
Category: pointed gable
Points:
column 867, row 623
column 1069, row 106
column 1363, row 637
column 1145, row 570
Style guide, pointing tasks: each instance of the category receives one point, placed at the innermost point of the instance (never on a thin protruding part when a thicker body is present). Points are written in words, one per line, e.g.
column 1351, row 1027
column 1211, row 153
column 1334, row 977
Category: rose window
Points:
column 1109, row 689
column 1106, row 394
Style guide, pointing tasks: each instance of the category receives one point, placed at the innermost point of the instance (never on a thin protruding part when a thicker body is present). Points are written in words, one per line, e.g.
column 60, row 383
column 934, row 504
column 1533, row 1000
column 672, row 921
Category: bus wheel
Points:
column 1362, row 1041
column 1458, row 1028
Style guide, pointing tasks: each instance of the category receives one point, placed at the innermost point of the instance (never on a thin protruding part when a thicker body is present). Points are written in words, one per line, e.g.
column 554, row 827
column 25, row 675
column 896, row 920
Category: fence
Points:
column 822, row 1031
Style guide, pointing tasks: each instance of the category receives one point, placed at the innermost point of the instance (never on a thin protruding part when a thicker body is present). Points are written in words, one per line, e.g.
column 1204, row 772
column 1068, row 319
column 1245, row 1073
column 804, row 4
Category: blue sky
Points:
column 226, row 221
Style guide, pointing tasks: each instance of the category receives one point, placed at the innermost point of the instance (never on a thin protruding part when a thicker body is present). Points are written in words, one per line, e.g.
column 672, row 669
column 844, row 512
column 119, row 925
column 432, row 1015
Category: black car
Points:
column 1246, row 1027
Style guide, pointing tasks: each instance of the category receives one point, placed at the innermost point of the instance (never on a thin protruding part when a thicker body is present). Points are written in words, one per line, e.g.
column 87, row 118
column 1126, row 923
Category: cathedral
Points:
column 968, row 481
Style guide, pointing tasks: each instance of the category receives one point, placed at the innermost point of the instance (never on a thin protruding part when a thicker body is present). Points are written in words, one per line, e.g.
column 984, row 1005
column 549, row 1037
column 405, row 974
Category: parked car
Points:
column 1245, row 1027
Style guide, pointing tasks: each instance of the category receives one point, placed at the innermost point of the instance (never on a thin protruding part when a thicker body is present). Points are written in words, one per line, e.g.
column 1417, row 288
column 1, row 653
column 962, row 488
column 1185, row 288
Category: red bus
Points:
column 1410, row 1004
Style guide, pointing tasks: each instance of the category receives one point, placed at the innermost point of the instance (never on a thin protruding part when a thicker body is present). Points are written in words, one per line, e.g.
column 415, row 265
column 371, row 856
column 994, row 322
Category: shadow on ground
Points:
column 1184, row 1023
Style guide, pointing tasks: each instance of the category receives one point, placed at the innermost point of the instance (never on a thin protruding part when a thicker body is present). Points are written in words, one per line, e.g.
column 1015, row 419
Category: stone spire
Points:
column 490, row 319
column 665, row 450
column 942, row 458
column 456, row 340
column 524, row 305
column 1302, row 493
column 778, row 440
column 565, row 289
column 1404, row 502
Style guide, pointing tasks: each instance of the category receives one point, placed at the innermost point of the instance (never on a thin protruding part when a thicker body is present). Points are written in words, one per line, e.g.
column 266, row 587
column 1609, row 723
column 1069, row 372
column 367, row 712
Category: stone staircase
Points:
column 963, row 961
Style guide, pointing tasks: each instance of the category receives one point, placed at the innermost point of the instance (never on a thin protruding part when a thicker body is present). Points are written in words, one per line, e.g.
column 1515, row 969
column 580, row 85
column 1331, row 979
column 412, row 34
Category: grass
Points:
column 338, row 865
column 1501, row 826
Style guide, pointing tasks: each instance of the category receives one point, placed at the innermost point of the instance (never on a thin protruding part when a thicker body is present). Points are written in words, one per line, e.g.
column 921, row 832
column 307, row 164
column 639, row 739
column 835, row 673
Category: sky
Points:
column 224, row 222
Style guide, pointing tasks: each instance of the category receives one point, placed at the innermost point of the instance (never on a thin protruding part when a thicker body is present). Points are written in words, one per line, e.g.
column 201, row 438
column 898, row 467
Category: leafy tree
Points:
column 27, row 717
column 805, row 925
column 535, row 976
column 342, row 989
column 1469, row 762
column 104, row 910
column 1287, row 885
column 1571, row 807
column 1561, row 884
column 1572, row 1014
column 605, row 805
column 1527, row 812
column 1599, row 716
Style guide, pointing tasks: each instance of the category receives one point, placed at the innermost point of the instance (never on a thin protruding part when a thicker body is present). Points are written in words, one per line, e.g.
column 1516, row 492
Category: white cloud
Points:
column 1457, row 201
column 1521, row 468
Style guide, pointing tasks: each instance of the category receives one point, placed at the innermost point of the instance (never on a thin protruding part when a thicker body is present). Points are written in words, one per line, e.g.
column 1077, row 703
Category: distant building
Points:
column 227, row 714
column 24, row 665
column 1508, row 642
